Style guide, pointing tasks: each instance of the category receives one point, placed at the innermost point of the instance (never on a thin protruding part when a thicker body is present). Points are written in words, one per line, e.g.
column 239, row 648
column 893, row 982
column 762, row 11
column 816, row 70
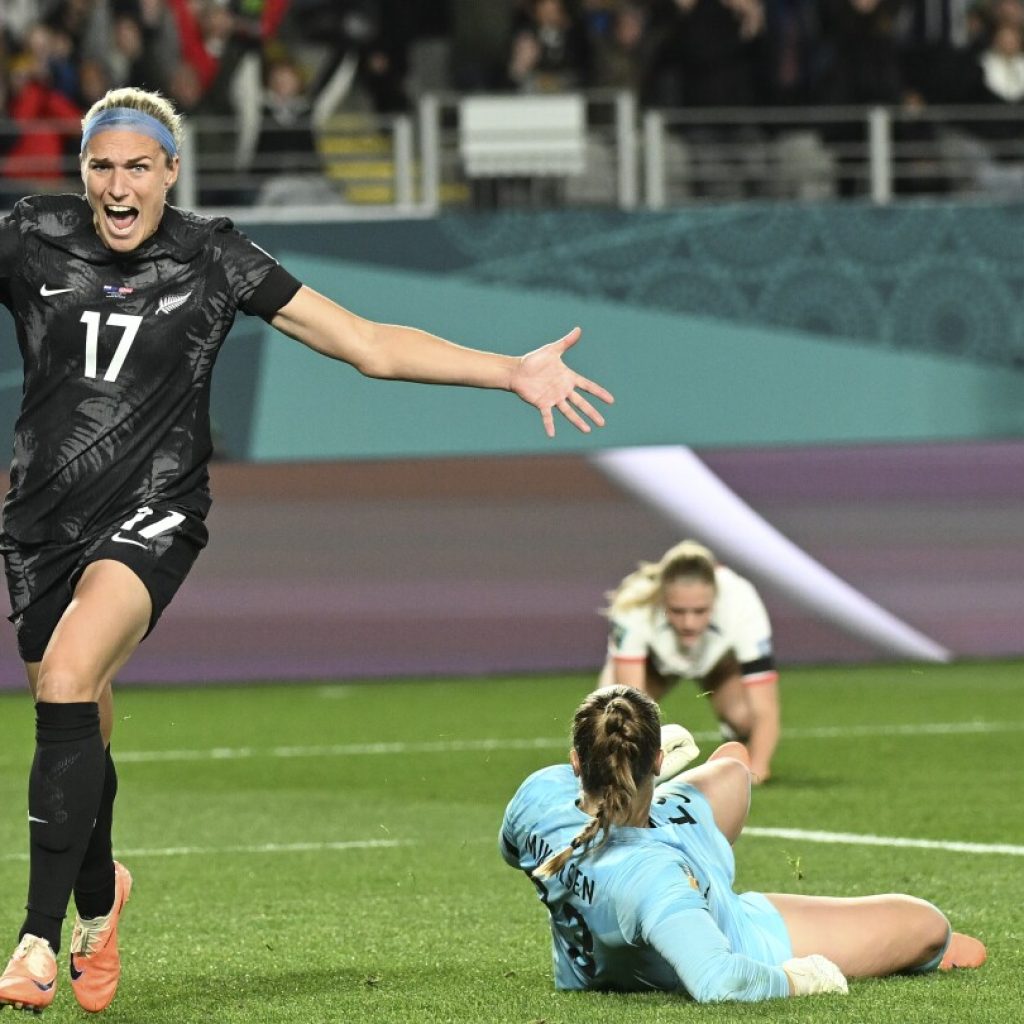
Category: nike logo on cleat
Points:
column 75, row 972
column 46, row 291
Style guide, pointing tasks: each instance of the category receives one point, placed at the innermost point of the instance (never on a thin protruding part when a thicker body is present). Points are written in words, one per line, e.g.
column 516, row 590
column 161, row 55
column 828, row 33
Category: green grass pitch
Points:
column 322, row 853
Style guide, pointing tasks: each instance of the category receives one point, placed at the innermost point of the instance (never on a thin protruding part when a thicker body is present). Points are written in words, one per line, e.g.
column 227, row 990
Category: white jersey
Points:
column 739, row 624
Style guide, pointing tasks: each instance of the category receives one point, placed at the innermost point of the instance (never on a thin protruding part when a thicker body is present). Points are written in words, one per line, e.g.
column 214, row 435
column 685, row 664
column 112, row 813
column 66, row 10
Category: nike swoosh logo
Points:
column 43, row 987
column 45, row 291
column 118, row 539
column 75, row 972
column 42, row 821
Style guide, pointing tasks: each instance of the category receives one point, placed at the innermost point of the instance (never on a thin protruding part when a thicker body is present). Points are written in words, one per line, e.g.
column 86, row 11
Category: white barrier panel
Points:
column 675, row 481
column 507, row 136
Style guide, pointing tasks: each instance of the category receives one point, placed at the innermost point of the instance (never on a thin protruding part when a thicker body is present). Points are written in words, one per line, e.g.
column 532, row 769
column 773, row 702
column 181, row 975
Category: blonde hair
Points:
column 688, row 560
column 616, row 734
column 146, row 102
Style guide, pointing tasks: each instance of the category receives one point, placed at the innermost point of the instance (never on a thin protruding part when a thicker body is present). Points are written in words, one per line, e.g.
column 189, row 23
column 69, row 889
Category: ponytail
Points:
column 616, row 736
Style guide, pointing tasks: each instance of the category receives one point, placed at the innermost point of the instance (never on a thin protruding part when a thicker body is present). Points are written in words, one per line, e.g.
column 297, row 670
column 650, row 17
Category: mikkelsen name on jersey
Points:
column 574, row 880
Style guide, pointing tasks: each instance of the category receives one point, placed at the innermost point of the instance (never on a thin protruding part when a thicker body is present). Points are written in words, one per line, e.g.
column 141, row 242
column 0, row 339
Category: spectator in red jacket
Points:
column 38, row 151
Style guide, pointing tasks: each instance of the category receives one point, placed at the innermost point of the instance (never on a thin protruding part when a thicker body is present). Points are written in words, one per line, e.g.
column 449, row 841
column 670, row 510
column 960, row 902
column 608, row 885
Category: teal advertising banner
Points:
column 676, row 377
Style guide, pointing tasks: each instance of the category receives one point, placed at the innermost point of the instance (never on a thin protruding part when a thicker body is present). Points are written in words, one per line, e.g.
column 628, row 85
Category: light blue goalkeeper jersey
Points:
column 655, row 907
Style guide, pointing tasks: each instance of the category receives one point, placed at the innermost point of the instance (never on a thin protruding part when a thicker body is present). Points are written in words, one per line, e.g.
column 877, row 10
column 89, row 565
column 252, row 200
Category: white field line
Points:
column 337, row 750
column 798, row 834
column 206, row 851
column 854, row 839
column 537, row 743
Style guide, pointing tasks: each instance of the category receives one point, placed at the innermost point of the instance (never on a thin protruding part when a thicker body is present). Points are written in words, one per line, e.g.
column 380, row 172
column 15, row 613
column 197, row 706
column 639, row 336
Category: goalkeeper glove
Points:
column 679, row 749
column 811, row 975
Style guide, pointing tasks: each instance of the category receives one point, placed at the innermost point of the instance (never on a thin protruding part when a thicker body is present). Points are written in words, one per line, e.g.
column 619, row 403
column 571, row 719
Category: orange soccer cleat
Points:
column 30, row 981
column 963, row 951
column 95, row 962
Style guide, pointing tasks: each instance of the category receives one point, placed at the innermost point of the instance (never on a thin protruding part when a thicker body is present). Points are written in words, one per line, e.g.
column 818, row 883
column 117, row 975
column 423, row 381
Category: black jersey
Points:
column 118, row 350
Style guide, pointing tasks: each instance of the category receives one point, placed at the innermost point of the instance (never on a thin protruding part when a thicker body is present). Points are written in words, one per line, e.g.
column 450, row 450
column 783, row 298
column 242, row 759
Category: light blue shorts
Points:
column 768, row 940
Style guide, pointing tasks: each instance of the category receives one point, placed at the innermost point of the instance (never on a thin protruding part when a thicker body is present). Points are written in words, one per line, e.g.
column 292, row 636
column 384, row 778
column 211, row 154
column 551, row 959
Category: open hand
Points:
column 542, row 379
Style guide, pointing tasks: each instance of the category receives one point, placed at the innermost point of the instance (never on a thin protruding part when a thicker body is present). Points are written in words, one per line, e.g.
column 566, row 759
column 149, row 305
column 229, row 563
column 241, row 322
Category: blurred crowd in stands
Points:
column 58, row 56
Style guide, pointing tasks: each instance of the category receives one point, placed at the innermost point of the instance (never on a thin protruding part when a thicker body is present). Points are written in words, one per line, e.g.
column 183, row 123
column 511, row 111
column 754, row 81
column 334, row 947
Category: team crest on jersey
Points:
column 116, row 291
column 169, row 303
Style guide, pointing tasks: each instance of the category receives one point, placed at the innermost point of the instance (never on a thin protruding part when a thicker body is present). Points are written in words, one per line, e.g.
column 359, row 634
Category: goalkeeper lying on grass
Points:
column 637, row 875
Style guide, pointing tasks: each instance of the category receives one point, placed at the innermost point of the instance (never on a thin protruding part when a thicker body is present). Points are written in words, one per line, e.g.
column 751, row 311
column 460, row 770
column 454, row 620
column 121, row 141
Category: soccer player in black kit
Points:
column 121, row 303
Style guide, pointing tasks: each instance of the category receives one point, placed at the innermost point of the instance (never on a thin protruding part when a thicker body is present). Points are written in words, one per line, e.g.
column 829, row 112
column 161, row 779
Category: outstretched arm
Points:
column 391, row 352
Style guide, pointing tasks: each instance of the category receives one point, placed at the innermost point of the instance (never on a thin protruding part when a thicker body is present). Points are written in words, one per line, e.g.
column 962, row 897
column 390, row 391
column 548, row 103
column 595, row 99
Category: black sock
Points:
column 94, row 887
column 64, row 790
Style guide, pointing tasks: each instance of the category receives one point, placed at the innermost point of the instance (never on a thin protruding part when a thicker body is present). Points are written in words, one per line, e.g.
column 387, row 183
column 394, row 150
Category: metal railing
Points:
column 820, row 153
column 362, row 165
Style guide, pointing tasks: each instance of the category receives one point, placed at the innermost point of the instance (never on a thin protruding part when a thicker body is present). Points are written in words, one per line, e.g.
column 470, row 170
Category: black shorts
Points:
column 159, row 543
